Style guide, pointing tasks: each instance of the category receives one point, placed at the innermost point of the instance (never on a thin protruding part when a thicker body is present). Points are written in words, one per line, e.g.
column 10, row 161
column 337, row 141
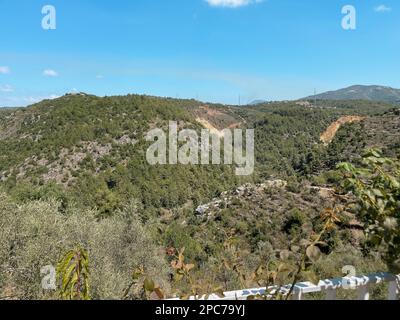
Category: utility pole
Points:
column 240, row 100
column 315, row 97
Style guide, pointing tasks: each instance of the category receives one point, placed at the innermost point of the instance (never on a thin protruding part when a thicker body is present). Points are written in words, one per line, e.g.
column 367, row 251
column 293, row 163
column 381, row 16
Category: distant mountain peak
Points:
column 255, row 102
column 362, row 92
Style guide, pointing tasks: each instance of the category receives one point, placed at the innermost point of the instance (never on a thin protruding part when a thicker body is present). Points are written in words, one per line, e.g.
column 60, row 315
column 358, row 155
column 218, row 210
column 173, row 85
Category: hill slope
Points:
column 94, row 149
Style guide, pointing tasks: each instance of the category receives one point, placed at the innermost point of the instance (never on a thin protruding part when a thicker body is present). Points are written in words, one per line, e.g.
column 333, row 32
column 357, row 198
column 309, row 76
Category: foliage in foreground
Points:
column 73, row 275
column 38, row 233
column 376, row 185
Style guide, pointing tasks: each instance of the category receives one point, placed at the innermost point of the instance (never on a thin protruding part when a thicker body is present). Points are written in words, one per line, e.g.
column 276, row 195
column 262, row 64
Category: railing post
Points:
column 330, row 295
column 393, row 290
column 363, row 293
column 297, row 295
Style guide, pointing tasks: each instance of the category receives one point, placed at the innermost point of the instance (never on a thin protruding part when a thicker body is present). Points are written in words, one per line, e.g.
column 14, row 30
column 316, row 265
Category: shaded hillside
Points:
column 288, row 134
column 352, row 139
column 381, row 132
column 384, row 133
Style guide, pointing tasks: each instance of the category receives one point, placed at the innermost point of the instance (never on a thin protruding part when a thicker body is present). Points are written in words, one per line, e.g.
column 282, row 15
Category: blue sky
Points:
column 271, row 49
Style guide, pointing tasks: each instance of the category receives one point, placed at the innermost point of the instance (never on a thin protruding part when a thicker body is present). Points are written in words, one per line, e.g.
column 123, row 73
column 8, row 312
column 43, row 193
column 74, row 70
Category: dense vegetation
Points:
column 73, row 174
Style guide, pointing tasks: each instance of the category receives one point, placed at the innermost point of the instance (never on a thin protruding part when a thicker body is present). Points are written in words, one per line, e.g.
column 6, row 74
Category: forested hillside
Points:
column 92, row 150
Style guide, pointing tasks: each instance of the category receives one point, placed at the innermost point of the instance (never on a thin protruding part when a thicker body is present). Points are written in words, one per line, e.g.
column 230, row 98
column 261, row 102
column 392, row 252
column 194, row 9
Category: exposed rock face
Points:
column 201, row 210
column 330, row 133
column 216, row 120
column 210, row 127
column 125, row 139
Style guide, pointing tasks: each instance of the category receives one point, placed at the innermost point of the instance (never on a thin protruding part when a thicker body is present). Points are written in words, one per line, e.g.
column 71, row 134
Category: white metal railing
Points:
column 328, row 287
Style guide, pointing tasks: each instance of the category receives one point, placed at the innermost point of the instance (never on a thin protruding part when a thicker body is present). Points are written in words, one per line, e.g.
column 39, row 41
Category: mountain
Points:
column 359, row 92
column 255, row 102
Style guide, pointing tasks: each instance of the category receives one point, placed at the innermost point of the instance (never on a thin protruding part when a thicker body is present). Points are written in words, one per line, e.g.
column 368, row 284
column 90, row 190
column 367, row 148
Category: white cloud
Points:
column 50, row 73
column 382, row 8
column 38, row 99
column 6, row 88
column 20, row 101
column 231, row 3
column 4, row 70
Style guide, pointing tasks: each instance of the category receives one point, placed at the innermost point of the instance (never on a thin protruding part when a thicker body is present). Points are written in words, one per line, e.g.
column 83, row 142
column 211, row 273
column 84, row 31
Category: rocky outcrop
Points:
column 244, row 191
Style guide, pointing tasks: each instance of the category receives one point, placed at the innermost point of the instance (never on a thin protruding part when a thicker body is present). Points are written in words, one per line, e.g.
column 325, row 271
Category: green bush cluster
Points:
column 37, row 234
